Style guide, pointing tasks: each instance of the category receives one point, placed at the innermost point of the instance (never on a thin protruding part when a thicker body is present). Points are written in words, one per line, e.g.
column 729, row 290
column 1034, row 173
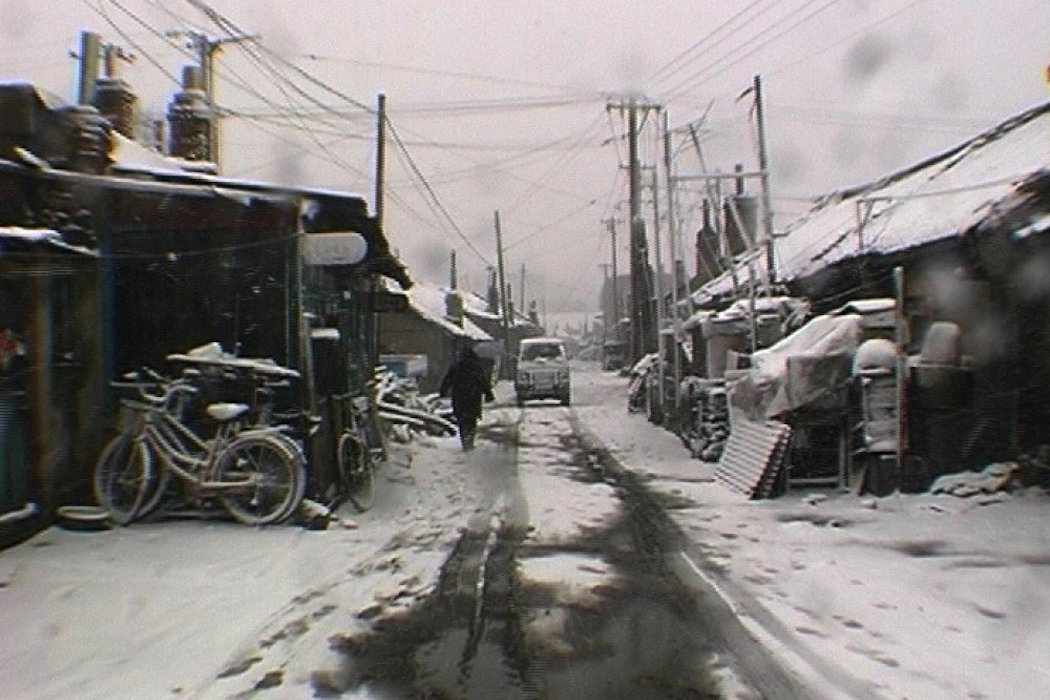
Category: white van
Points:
column 543, row 371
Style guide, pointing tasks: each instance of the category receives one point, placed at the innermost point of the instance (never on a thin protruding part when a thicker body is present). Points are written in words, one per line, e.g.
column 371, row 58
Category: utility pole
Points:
column 672, row 239
column 90, row 51
column 504, row 306
column 380, row 158
column 615, row 320
column 605, row 310
column 763, row 168
column 521, row 299
column 380, row 176
column 452, row 283
column 206, row 50
column 641, row 338
column 659, row 289
column 638, row 297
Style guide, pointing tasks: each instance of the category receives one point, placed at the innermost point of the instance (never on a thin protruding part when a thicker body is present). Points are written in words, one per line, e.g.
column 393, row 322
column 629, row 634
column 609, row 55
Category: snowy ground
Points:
column 900, row 597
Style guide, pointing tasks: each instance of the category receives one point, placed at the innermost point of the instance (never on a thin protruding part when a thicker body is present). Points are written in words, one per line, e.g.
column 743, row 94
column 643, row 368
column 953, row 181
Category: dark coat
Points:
column 467, row 381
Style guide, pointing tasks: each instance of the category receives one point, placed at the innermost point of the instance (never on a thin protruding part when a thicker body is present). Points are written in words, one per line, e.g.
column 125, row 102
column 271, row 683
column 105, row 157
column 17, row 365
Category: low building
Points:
column 113, row 257
column 433, row 326
column 963, row 238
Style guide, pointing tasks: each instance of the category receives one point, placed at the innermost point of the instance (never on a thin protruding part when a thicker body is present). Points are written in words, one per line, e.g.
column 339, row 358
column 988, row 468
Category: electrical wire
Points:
column 702, row 76
column 875, row 120
column 659, row 76
column 549, row 226
column 822, row 50
column 434, row 71
column 433, row 195
column 519, row 157
column 101, row 11
column 234, row 31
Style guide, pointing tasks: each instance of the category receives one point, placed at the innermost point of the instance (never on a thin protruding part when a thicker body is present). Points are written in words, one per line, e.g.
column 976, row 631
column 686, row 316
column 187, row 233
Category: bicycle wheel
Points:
column 271, row 478
column 123, row 474
column 157, row 487
column 357, row 475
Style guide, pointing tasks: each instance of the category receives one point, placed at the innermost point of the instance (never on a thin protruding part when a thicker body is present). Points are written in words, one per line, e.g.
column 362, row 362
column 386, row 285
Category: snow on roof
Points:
column 475, row 304
column 727, row 281
column 34, row 235
column 938, row 198
column 866, row 306
column 429, row 302
column 132, row 157
column 42, row 235
column 47, row 98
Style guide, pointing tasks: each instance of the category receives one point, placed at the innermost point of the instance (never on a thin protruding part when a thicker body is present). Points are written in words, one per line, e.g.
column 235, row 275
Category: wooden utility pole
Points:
column 89, row 56
column 672, row 240
column 521, row 299
column 379, row 209
column 504, row 306
column 638, row 296
column 641, row 334
column 615, row 320
column 900, row 340
column 380, row 158
column 763, row 168
column 659, row 293
column 605, row 310
column 206, row 50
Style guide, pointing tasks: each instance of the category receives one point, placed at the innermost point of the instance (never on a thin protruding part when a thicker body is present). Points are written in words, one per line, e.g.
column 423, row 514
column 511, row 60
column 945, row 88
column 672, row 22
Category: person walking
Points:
column 467, row 381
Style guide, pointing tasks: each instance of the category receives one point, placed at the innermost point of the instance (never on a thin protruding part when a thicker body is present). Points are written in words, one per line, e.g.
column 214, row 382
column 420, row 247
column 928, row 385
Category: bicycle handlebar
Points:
column 169, row 387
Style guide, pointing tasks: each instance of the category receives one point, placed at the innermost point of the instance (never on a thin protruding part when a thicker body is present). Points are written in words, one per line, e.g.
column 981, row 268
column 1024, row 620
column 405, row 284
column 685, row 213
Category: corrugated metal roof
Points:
column 941, row 197
column 430, row 303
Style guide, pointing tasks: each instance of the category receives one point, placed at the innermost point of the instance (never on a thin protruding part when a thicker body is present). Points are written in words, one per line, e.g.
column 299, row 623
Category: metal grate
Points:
column 753, row 456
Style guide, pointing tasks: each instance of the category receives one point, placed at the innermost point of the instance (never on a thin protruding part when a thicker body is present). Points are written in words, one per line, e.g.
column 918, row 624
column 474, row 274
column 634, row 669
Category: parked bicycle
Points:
column 360, row 450
column 257, row 473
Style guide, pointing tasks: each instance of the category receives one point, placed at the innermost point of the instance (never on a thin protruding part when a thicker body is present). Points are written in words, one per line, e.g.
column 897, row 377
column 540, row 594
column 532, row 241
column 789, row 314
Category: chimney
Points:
column 454, row 307
column 190, row 118
column 87, row 139
column 708, row 255
column 113, row 97
column 741, row 217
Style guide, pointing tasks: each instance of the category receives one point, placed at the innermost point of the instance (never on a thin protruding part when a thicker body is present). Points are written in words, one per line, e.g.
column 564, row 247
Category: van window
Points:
column 547, row 351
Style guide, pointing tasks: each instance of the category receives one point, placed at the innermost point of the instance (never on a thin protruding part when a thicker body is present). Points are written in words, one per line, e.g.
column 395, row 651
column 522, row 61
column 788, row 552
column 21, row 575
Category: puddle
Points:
column 598, row 616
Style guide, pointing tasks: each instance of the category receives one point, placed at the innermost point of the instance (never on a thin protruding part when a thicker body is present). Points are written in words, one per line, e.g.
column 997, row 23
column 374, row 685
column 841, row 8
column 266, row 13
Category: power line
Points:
column 871, row 122
column 701, row 76
column 520, row 156
column 841, row 40
column 657, row 77
column 415, row 169
column 549, row 226
column 101, row 11
column 507, row 104
column 435, row 71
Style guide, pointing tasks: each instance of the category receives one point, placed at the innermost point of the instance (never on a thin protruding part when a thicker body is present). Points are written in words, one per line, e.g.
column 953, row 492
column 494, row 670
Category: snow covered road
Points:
column 511, row 571
column 546, row 563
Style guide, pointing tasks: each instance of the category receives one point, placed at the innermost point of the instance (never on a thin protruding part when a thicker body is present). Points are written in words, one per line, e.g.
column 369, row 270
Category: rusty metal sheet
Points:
column 753, row 457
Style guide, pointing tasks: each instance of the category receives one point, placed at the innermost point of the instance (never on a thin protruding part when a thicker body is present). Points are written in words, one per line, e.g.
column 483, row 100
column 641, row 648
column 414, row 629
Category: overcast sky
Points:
column 502, row 105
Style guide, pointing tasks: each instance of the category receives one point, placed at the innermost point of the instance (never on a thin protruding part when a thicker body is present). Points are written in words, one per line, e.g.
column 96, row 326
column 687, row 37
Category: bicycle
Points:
column 359, row 449
column 258, row 474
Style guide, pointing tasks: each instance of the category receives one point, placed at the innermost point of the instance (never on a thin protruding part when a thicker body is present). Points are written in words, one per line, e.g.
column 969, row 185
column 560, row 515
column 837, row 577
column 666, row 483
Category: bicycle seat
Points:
column 223, row 412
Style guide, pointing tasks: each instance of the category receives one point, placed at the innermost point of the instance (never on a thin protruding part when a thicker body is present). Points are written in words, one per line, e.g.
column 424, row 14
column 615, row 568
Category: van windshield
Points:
column 537, row 351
